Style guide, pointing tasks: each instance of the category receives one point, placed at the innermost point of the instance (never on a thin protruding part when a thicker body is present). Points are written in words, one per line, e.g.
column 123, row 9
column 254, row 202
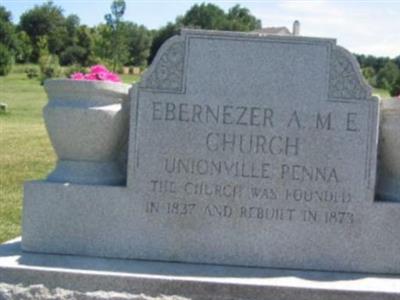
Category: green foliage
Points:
column 72, row 25
column 395, row 89
column 369, row 75
column 138, row 40
column 376, row 63
column 32, row 72
column 210, row 16
column 117, row 10
column 8, row 42
column 101, row 35
column 7, row 30
column 240, row 19
column 103, row 47
column 387, row 76
column 24, row 47
column 380, row 72
column 4, row 14
column 118, row 49
column 207, row 16
column 161, row 36
column 49, row 67
column 46, row 20
column 73, row 55
column 397, row 61
column 75, row 69
column 48, row 63
column 6, row 60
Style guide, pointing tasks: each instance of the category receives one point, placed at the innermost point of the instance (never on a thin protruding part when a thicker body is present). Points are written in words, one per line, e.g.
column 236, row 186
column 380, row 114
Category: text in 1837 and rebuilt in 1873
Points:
column 249, row 129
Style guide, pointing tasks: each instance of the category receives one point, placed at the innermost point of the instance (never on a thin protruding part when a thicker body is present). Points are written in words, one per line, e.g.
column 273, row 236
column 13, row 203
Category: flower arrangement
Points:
column 97, row 73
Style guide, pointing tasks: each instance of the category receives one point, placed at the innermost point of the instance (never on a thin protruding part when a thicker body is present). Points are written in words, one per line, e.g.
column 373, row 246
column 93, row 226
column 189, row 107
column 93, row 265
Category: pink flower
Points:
column 113, row 77
column 77, row 76
column 91, row 76
column 98, row 69
column 101, row 75
column 97, row 72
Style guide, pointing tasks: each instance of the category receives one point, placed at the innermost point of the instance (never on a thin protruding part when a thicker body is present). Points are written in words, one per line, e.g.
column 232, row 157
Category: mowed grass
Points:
column 25, row 150
column 383, row 94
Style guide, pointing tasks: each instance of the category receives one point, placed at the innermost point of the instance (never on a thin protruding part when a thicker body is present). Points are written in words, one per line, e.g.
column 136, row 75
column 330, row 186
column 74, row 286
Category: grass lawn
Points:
column 381, row 93
column 25, row 150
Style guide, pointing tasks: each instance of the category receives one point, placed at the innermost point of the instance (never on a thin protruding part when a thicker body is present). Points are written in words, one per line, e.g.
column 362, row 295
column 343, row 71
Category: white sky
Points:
column 362, row 26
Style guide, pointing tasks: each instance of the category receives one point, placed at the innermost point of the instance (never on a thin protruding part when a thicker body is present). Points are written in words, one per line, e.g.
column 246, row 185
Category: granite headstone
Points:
column 244, row 150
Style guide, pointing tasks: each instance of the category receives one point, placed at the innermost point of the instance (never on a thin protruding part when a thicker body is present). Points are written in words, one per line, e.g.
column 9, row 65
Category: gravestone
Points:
column 243, row 150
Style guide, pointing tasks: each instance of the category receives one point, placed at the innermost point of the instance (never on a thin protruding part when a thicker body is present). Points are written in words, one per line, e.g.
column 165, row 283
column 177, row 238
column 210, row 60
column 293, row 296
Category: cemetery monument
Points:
column 235, row 149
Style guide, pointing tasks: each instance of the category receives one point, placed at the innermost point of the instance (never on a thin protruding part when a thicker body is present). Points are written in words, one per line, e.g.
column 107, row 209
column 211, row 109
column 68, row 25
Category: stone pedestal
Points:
column 191, row 281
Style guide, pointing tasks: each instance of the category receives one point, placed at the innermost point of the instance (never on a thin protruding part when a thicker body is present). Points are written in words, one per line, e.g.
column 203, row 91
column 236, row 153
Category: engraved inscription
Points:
column 271, row 162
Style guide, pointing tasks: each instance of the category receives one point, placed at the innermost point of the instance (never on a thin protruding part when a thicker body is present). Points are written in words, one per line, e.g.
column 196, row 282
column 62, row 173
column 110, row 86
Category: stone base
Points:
column 389, row 189
column 193, row 281
column 87, row 172
column 120, row 222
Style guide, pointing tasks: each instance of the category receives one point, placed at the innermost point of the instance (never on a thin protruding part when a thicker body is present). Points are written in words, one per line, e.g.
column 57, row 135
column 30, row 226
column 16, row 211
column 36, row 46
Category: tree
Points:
column 160, row 37
column 397, row 61
column 24, row 47
column 395, row 89
column 80, row 50
column 46, row 20
column 5, row 60
column 369, row 75
column 377, row 63
column 73, row 55
column 102, row 41
column 114, row 22
column 7, row 30
column 240, row 19
column 387, row 76
column 138, row 40
column 207, row 16
column 8, row 41
column 72, row 23
column 204, row 16
column 48, row 63
column 85, row 40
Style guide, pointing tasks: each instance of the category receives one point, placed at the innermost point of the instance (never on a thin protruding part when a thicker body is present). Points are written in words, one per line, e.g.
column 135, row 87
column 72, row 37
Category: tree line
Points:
column 44, row 35
column 45, row 30
column 381, row 72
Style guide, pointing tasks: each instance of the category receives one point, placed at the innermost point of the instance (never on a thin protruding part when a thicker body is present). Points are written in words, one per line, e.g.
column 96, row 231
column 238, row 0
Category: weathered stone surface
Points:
column 35, row 292
column 87, row 122
column 389, row 164
column 244, row 150
column 96, row 278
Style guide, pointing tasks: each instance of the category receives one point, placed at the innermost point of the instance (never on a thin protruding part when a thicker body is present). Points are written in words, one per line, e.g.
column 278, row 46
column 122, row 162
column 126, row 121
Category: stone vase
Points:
column 87, row 122
column 389, row 151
